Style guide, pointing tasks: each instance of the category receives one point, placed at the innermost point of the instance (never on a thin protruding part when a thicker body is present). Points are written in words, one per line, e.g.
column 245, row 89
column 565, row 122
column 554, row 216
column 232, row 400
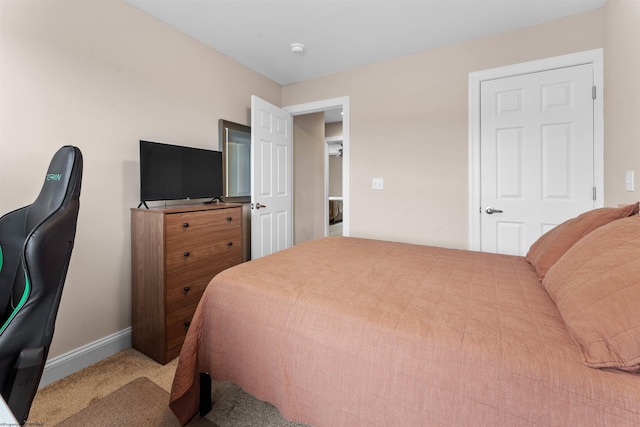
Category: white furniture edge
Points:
column 66, row 364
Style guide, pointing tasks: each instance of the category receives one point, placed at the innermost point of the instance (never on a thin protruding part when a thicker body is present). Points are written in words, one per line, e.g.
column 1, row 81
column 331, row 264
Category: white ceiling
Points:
column 343, row 34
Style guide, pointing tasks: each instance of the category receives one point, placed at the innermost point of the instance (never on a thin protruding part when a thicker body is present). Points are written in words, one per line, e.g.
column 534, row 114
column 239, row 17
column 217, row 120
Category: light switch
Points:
column 629, row 180
column 377, row 183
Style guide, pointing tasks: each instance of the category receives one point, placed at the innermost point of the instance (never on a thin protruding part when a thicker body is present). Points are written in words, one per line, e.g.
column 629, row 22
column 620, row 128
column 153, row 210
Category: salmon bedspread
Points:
column 354, row 332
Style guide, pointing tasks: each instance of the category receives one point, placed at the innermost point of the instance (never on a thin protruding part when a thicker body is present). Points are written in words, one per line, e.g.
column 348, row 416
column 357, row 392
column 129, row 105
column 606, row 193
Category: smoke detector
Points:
column 297, row 48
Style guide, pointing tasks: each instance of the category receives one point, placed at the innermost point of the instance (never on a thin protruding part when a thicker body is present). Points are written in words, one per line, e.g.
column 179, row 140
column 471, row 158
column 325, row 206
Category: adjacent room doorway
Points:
column 321, row 106
column 271, row 171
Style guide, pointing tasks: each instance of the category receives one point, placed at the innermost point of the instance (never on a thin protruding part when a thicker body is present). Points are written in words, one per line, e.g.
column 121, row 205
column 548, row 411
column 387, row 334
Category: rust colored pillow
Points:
column 596, row 287
column 554, row 243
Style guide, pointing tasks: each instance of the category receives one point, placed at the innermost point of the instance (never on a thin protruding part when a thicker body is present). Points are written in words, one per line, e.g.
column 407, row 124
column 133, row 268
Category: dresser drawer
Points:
column 178, row 324
column 180, row 226
column 185, row 286
column 172, row 353
column 203, row 253
column 179, row 279
column 186, row 289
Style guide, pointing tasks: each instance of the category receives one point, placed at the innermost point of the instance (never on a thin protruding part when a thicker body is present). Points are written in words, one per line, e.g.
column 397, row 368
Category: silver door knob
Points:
column 490, row 210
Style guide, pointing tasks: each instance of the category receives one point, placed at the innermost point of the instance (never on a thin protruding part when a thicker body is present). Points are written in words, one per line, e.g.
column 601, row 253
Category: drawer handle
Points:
column 185, row 225
column 187, row 323
column 187, row 289
column 229, row 218
column 186, row 254
column 229, row 243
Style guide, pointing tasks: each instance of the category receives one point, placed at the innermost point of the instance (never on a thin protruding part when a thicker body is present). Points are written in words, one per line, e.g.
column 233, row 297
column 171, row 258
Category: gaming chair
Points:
column 35, row 249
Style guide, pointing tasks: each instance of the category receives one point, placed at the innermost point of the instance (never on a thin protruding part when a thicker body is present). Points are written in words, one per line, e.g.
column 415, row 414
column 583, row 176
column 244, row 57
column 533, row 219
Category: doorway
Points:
column 523, row 231
column 341, row 103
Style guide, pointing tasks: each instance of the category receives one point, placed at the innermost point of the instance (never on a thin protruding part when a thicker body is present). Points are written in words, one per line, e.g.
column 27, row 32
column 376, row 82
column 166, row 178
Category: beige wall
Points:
column 622, row 98
column 102, row 75
column 335, row 176
column 308, row 177
column 409, row 125
column 333, row 129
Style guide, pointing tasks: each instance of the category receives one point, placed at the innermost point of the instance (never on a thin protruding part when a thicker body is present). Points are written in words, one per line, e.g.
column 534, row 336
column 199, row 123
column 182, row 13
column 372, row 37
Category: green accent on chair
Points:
column 1, row 258
column 21, row 303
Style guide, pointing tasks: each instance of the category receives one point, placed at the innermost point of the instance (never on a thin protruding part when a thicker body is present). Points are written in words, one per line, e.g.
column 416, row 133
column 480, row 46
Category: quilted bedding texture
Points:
column 355, row 332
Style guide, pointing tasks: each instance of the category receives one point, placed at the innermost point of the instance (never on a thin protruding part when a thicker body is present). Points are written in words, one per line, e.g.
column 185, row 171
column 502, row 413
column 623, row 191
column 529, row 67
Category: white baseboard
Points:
column 75, row 360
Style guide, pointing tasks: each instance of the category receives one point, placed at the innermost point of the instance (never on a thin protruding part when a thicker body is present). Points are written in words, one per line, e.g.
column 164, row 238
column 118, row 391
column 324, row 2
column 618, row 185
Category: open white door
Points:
column 271, row 178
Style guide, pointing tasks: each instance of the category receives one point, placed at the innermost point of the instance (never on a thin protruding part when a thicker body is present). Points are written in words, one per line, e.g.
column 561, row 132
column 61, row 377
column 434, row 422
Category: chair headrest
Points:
column 61, row 185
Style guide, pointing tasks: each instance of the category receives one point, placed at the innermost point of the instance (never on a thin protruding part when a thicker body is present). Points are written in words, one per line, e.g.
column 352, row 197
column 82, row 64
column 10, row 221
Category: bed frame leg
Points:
column 205, row 393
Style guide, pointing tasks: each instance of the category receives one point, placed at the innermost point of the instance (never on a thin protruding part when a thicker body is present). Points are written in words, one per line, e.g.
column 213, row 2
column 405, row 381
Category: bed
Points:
column 335, row 211
column 345, row 331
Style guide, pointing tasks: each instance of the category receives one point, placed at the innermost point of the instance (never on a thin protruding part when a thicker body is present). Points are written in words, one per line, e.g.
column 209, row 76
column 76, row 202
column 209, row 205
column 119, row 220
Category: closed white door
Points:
column 537, row 155
column 271, row 179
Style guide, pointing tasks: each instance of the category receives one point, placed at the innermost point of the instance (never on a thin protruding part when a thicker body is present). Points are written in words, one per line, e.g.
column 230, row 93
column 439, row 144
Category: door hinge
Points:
column 593, row 92
column 594, row 193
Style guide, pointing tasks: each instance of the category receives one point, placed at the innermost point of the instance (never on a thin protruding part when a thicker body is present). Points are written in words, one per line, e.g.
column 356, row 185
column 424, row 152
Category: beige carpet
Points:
column 106, row 391
column 65, row 397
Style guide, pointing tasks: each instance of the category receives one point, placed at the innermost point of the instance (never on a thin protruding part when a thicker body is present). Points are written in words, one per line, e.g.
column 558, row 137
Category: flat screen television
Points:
column 174, row 172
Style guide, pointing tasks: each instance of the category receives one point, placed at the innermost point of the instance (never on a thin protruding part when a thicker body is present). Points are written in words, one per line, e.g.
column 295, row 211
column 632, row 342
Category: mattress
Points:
column 345, row 331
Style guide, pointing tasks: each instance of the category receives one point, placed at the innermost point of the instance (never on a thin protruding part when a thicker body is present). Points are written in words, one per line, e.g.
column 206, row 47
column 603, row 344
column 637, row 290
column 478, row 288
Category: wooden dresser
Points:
column 175, row 251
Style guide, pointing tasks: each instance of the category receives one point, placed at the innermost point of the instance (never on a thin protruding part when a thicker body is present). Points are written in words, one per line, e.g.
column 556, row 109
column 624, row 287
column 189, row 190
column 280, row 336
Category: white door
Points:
column 537, row 155
column 272, row 178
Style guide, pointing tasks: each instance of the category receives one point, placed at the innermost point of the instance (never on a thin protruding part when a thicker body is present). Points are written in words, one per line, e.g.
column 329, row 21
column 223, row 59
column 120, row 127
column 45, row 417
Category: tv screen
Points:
column 174, row 172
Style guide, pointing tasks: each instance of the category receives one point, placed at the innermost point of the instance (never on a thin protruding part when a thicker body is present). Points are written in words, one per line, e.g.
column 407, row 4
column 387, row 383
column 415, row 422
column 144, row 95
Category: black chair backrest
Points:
column 36, row 243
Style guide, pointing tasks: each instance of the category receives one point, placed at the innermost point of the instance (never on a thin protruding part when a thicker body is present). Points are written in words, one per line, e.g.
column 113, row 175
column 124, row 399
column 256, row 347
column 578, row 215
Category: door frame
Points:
column 594, row 57
column 323, row 105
